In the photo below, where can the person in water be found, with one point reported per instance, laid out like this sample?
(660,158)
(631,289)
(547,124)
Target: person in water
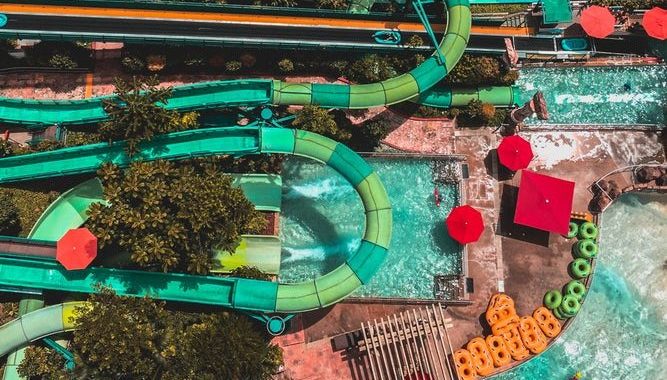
(577,376)
(627,87)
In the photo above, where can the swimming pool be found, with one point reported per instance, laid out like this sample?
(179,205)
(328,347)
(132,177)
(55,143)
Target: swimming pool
(322,221)
(600,95)
(621,332)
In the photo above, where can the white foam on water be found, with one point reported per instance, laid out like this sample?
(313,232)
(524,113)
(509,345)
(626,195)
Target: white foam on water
(320,251)
(314,190)
(609,98)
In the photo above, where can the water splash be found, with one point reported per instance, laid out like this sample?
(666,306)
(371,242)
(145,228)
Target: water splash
(320,252)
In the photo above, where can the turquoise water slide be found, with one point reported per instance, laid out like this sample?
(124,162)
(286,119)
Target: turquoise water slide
(245,294)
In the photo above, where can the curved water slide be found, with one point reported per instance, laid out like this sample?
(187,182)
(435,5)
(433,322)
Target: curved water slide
(256,92)
(239,293)
(36,325)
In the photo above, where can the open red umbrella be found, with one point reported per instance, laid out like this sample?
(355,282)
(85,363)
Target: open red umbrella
(464,224)
(76,249)
(544,202)
(515,153)
(655,23)
(597,21)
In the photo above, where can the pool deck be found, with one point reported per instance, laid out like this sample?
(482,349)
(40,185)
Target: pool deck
(524,264)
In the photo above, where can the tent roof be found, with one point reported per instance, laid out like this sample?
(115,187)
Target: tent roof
(544,202)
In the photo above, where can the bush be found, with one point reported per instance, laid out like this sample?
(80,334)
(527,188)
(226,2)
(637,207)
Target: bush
(415,41)
(133,64)
(285,65)
(5,148)
(61,61)
(332,4)
(480,70)
(369,69)
(233,66)
(250,272)
(320,121)
(30,205)
(10,222)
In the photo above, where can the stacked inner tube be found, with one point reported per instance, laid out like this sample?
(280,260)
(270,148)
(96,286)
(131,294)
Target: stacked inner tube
(566,303)
(513,338)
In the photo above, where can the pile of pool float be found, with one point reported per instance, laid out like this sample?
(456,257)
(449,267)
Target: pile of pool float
(513,338)
(566,304)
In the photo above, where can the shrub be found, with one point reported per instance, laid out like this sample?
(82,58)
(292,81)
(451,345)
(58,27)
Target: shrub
(30,205)
(321,121)
(332,4)
(61,61)
(285,65)
(369,69)
(133,64)
(5,148)
(233,66)
(250,272)
(10,222)
(414,41)
(156,62)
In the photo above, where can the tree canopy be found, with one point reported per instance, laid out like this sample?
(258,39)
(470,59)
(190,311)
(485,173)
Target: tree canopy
(137,113)
(169,216)
(138,338)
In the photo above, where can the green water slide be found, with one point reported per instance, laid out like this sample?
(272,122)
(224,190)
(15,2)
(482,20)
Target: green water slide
(260,251)
(445,97)
(245,294)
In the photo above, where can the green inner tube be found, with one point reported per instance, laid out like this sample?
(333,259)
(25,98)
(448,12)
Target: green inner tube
(557,314)
(570,306)
(588,230)
(580,268)
(586,249)
(573,230)
(552,299)
(575,288)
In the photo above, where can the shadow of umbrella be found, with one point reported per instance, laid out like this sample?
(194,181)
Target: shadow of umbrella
(500,173)
(507,227)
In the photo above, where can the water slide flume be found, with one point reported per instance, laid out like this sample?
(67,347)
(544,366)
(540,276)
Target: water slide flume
(245,294)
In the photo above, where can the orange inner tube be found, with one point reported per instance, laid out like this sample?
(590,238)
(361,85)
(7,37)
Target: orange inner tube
(481,357)
(531,335)
(504,324)
(548,323)
(464,366)
(514,344)
(499,353)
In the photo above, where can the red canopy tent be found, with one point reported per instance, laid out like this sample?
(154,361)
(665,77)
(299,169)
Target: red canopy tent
(76,249)
(597,21)
(655,23)
(464,224)
(544,202)
(515,153)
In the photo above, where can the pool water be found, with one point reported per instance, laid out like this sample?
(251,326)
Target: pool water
(600,95)
(322,222)
(621,332)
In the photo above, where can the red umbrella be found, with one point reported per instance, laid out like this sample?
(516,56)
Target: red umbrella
(464,224)
(76,249)
(655,23)
(544,202)
(597,21)
(515,153)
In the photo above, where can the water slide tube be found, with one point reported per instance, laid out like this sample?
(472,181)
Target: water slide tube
(259,91)
(239,293)
(36,325)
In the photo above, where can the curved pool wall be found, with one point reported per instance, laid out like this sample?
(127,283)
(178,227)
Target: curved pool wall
(621,330)
(322,219)
(599,95)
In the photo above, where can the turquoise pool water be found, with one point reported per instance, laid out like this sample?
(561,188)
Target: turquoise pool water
(322,221)
(621,332)
(599,95)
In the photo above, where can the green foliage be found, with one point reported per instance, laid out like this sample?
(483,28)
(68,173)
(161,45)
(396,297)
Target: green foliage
(137,338)
(81,138)
(319,120)
(276,3)
(497,8)
(332,4)
(61,61)
(43,363)
(233,66)
(415,41)
(135,113)
(286,65)
(5,148)
(480,70)
(264,164)
(250,272)
(169,216)
(367,136)
(10,222)
(133,64)
(30,205)
(481,114)
(371,68)
(8,312)
(47,145)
